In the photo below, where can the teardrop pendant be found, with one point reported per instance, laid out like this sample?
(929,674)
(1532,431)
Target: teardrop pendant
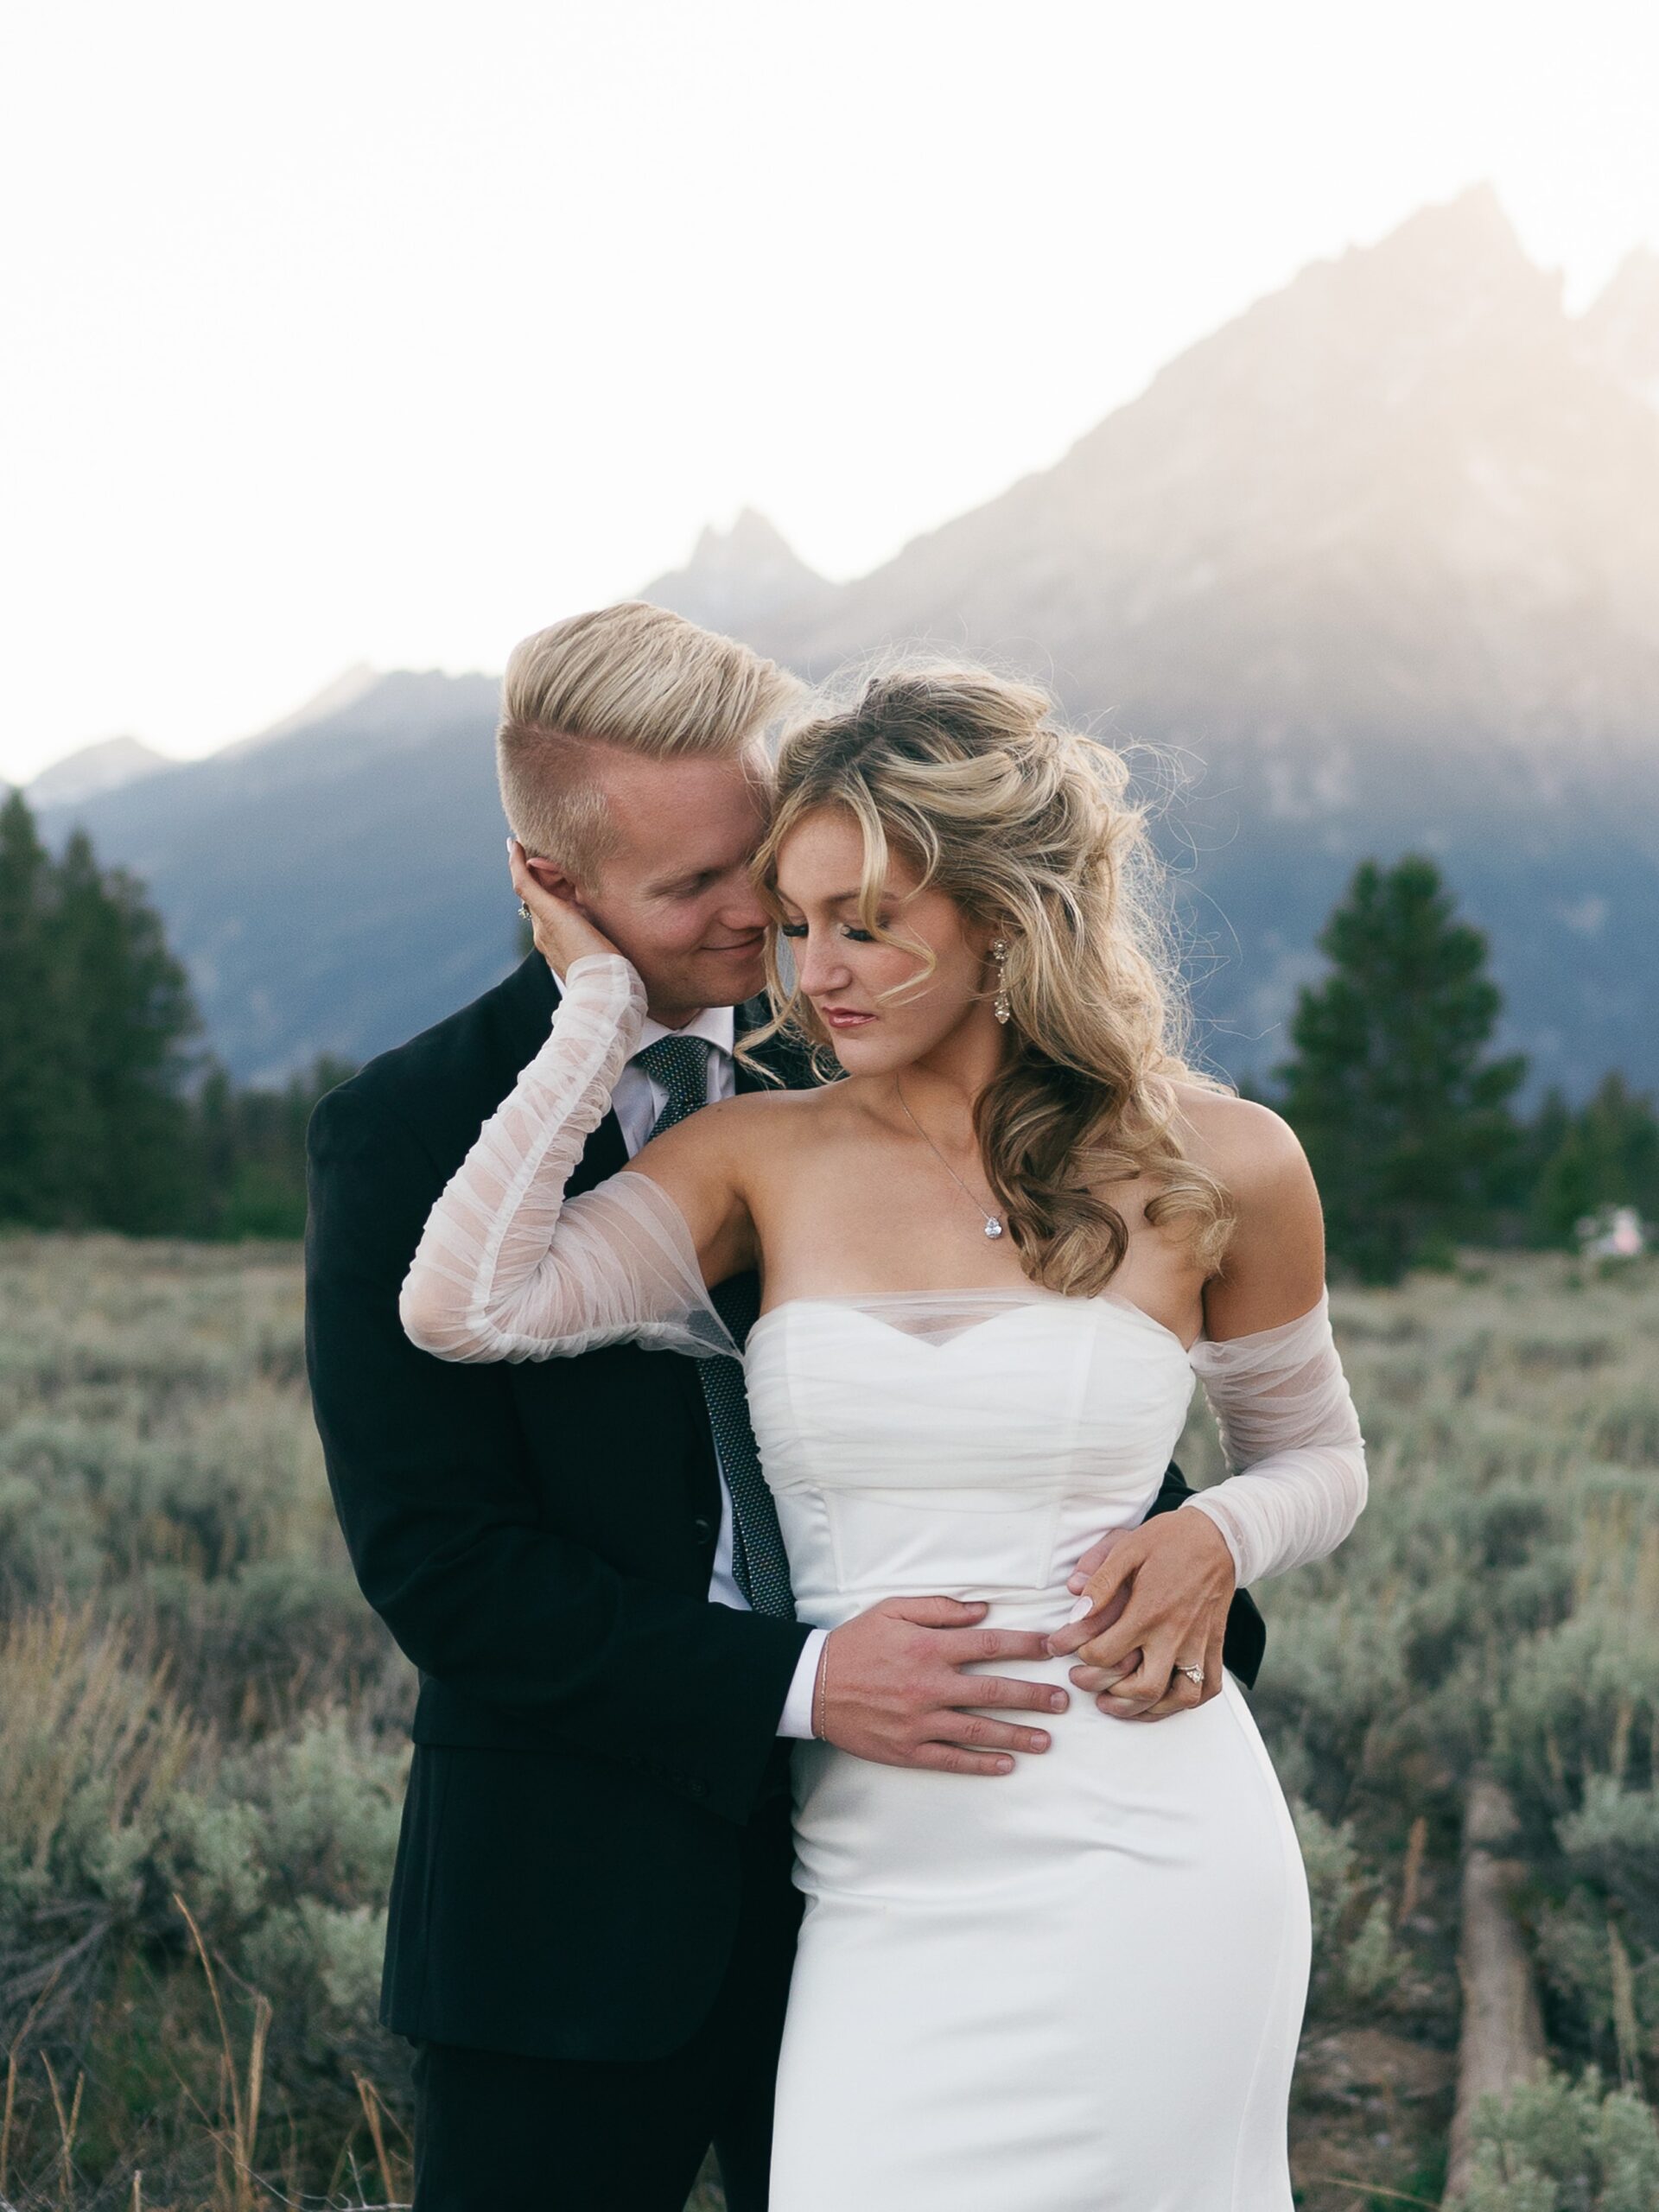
(993,1228)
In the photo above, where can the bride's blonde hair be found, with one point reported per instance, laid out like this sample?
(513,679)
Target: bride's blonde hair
(1025,824)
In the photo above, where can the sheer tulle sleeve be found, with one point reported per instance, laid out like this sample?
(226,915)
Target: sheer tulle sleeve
(506,1267)
(1293,1442)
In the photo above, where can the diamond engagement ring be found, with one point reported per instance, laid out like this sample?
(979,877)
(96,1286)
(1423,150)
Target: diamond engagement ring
(1197,1673)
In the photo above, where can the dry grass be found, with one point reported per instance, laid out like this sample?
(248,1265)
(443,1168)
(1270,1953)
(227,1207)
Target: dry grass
(202,1726)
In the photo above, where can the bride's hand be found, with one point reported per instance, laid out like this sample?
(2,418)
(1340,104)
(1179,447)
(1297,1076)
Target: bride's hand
(1158,1598)
(562,932)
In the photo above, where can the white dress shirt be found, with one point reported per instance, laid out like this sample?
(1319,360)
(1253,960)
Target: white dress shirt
(637,1101)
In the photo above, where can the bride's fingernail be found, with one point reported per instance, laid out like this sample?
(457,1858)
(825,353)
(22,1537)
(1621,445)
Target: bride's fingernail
(1059,1702)
(1081,1611)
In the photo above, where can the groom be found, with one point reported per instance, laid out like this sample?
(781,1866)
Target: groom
(592,1919)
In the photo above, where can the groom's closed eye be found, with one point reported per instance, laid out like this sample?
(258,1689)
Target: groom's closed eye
(687,886)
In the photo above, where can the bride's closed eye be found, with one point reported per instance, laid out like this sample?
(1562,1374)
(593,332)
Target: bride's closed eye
(799,929)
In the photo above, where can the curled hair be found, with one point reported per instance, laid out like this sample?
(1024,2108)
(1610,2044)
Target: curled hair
(1026,825)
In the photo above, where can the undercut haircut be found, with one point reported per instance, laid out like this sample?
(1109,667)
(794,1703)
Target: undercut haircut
(633,678)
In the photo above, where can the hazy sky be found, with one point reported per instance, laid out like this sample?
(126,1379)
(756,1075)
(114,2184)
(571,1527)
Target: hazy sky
(364,331)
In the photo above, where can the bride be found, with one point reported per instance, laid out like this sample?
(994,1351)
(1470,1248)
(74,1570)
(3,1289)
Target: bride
(995,1256)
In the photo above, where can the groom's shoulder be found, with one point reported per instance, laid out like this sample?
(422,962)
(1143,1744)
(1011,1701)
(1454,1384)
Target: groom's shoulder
(461,1065)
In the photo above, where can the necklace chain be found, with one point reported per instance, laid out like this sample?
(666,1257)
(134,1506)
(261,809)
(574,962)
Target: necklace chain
(993,1226)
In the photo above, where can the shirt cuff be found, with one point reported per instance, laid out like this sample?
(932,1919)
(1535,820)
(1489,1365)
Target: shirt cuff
(797,1717)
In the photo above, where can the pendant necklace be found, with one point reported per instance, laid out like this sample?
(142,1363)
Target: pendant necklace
(993,1226)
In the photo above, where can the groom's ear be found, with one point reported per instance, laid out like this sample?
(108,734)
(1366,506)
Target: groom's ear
(556,883)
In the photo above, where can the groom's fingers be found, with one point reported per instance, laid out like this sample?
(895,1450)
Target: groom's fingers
(950,1758)
(960,1647)
(934,1612)
(978,1731)
(1006,1690)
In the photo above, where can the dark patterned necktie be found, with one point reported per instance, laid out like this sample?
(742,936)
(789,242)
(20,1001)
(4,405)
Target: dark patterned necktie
(759,1567)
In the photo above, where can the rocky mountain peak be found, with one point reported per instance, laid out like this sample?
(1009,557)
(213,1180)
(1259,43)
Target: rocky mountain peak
(746,572)
(93,769)
(1620,327)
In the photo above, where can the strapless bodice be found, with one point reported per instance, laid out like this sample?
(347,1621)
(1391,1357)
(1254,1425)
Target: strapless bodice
(971,1444)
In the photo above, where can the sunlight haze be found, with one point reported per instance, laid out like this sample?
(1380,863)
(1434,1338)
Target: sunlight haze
(374,334)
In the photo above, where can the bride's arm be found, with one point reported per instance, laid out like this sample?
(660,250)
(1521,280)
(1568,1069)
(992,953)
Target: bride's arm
(1293,1443)
(1270,1369)
(507,1267)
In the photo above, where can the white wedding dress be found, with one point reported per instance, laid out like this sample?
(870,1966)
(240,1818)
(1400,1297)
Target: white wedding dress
(1077,1988)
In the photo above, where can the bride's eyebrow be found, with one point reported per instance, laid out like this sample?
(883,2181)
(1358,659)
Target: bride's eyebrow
(834,899)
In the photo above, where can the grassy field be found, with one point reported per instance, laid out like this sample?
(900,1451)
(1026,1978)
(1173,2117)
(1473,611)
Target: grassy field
(202,1753)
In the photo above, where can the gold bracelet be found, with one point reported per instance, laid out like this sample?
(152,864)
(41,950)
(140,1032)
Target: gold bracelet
(820,1693)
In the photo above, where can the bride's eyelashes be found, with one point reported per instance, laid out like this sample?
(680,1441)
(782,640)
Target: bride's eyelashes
(799,929)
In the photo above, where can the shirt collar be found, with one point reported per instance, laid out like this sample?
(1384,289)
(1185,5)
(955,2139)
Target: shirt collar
(717,1025)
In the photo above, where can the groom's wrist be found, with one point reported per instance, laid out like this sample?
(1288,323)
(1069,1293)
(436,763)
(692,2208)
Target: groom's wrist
(796,1719)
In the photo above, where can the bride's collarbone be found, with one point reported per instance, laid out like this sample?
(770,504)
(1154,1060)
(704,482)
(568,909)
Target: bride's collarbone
(863,1242)
(843,1210)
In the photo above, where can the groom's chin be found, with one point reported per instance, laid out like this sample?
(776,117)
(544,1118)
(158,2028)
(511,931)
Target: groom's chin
(730,978)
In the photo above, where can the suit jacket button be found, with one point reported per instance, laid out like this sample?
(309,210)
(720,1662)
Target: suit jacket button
(703,1529)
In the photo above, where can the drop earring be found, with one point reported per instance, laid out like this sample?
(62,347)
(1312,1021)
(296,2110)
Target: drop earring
(999,1005)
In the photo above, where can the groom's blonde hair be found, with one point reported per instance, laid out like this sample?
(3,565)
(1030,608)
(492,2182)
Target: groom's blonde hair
(633,678)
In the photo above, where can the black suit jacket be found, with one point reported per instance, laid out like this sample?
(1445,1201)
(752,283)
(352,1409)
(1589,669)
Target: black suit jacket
(592,1735)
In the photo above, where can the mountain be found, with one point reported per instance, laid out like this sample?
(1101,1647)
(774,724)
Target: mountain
(1372,567)
(106,767)
(745,573)
(1620,328)
(346,689)
(333,888)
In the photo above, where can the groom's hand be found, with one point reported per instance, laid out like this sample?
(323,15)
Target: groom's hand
(893,1688)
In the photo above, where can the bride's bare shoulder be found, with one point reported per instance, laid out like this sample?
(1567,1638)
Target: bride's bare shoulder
(1251,1149)
(757,1123)
(1275,1262)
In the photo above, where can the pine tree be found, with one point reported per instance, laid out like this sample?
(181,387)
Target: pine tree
(131,1013)
(1605,1155)
(1406,1125)
(93,1012)
(37,1108)
(252,1147)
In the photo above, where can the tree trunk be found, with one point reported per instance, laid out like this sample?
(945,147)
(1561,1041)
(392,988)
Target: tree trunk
(1502,2028)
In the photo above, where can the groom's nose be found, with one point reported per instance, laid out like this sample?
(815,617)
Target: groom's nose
(741,912)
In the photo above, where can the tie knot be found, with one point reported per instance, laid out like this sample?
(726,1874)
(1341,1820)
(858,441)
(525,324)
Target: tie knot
(680,1064)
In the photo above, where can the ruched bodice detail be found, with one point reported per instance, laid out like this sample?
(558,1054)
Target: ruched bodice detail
(970,1443)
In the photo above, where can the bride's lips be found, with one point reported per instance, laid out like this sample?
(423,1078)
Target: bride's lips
(844,1017)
